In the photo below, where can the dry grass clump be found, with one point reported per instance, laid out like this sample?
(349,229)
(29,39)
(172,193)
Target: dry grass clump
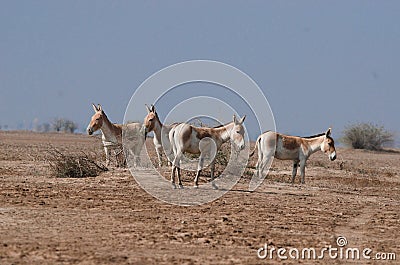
(73,166)
(367,136)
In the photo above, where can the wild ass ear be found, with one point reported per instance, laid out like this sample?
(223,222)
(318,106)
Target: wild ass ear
(99,107)
(328,132)
(242,119)
(153,109)
(148,109)
(94,107)
(234,119)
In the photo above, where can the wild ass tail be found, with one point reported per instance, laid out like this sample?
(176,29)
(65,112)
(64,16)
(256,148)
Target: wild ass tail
(256,146)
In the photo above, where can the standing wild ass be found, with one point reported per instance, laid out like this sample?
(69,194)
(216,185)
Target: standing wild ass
(161,139)
(112,136)
(187,138)
(286,147)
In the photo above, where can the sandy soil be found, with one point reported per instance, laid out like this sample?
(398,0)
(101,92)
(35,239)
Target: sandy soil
(109,219)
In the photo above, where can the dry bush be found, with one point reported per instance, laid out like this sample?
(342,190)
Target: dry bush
(223,154)
(73,166)
(367,136)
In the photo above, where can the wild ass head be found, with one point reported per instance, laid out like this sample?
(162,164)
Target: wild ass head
(328,145)
(150,119)
(97,119)
(236,134)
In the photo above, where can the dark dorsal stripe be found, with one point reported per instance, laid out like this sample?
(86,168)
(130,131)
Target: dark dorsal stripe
(221,125)
(314,136)
(158,118)
(104,114)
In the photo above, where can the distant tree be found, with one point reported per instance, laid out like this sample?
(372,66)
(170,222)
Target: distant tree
(65,125)
(69,126)
(44,127)
(57,124)
(367,136)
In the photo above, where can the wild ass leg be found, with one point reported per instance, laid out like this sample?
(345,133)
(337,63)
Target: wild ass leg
(132,157)
(212,169)
(175,166)
(108,154)
(178,165)
(259,163)
(173,176)
(179,178)
(137,150)
(159,151)
(136,160)
(115,155)
(265,161)
(294,172)
(124,162)
(124,159)
(302,171)
(169,163)
(119,157)
(169,154)
(199,167)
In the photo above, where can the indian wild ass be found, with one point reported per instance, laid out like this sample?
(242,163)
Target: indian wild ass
(187,138)
(161,139)
(112,136)
(286,147)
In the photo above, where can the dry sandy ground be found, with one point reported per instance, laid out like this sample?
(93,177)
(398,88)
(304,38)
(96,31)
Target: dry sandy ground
(109,219)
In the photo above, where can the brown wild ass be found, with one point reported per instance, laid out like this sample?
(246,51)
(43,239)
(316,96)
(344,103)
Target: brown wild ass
(161,139)
(112,136)
(187,138)
(286,147)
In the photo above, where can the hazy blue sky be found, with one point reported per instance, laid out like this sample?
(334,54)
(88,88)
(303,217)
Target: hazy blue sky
(319,63)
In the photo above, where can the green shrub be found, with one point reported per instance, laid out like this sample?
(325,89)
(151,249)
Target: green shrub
(367,136)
